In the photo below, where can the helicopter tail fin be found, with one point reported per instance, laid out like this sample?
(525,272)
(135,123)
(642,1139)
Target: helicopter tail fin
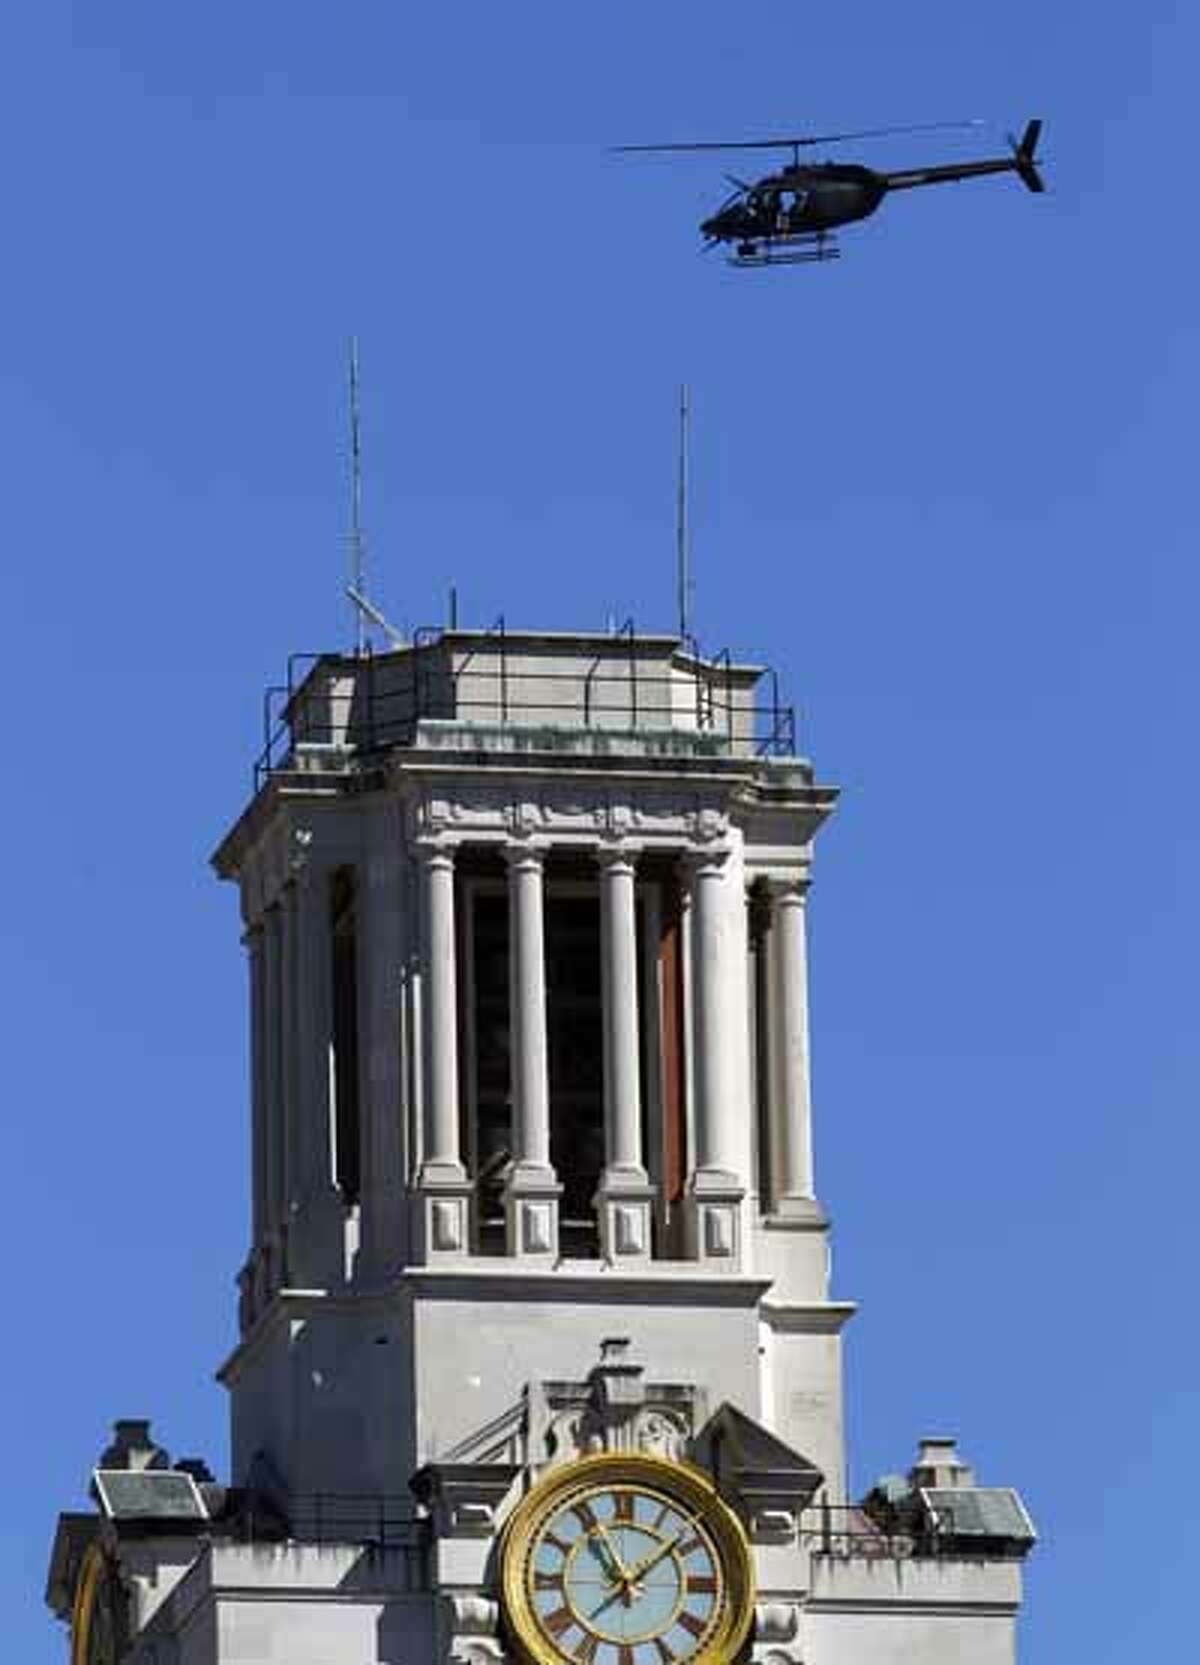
(1025,164)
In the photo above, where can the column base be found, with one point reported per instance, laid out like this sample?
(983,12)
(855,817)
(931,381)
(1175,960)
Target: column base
(713,1212)
(624,1201)
(443,1216)
(531,1213)
(797,1213)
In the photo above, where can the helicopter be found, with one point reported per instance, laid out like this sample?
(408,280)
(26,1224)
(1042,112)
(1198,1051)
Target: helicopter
(790,218)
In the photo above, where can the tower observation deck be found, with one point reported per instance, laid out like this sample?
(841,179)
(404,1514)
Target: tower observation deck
(658,692)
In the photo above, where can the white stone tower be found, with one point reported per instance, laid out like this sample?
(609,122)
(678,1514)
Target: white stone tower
(532,1195)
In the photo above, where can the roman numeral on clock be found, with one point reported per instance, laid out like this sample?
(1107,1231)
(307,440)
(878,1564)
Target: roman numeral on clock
(586,1517)
(689,1621)
(700,1584)
(547,1580)
(585,1653)
(623,1511)
(664,1652)
(561,1619)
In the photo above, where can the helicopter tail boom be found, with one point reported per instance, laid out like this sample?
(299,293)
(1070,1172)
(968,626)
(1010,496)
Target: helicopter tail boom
(1021,162)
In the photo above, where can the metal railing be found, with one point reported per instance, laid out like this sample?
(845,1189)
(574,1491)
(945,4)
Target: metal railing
(374,1518)
(847,1532)
(383,698)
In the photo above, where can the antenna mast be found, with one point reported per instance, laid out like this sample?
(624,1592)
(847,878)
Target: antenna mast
(358,552)
(682,550)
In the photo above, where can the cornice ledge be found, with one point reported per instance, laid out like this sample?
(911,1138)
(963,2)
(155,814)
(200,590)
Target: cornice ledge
(930,1609)
(808,1317)
(676,1280)
(285,1304)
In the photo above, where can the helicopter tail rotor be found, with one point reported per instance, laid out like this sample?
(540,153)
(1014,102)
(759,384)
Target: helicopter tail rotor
(1023,150)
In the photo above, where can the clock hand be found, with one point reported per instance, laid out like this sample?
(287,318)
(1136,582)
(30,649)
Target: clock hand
(601,1532)
(643,1566)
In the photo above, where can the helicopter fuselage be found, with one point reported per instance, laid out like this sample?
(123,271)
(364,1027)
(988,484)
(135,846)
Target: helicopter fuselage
(799,200)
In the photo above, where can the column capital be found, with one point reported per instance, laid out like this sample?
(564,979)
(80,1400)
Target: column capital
(616,855)
(787,887)
(437,851)
(704,860)
(525,854)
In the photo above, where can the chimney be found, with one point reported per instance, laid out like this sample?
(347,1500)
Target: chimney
(939,1465)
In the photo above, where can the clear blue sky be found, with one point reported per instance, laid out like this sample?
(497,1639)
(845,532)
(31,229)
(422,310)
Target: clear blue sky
(946,486)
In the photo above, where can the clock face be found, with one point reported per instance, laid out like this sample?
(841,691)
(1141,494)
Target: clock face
(627,1561)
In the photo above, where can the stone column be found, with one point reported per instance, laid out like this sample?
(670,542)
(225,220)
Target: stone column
(273,990)
(531,1190)
(317,1232)
(290,1067)
(251,1279)
(384,1221)
(625,1194)
(443,1180)
(716,1187)
(253,941)
(787,1016)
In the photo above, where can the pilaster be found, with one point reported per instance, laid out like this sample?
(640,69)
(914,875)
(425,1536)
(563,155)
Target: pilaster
(445,1190)
(625,1196)
(317,1214)
(716,1186)
(792,1197)
(532,1191)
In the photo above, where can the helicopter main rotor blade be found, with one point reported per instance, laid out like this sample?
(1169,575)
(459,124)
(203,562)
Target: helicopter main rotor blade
(808,139)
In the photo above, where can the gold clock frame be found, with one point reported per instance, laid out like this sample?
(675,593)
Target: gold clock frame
(688,1486)
(92,1575)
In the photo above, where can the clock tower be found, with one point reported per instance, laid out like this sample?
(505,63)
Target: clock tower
(538,1360)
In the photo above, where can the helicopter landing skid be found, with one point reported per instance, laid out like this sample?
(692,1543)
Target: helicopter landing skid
(787,251)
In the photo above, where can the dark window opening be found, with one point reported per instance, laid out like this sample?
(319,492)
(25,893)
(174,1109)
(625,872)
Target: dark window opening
(490,1089)
(347,1136)
(672,1156)
(574,1025)
(760,1038)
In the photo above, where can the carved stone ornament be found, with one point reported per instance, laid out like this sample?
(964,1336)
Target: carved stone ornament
(474,1615)
(613,1411)
(653,810)
(620,819)
(709,826)
(434,814)
(473,1622)
(776,1634)
(660,1434)
(476,1650)
(524,817)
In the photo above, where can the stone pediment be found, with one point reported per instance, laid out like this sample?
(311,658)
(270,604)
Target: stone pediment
(763,1478)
